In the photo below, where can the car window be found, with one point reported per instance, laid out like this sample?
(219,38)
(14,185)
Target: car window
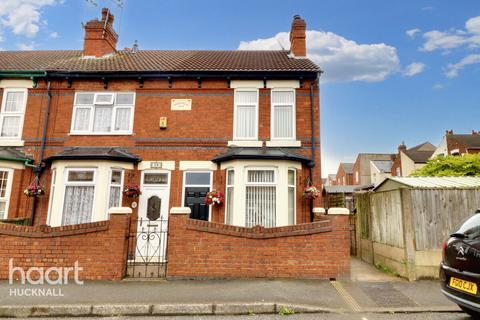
(471,227)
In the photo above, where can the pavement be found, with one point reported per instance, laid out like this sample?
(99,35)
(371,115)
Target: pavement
(368,290)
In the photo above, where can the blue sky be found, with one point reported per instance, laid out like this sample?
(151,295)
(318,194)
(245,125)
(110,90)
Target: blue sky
(394,70)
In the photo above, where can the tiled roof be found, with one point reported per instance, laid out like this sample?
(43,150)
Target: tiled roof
(84,153)
(421,153)
(156,60)
(348,167)
(385,166)
(469,140)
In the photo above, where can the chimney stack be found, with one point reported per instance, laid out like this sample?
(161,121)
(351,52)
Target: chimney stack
(298,43)
(402,147)
(100,37)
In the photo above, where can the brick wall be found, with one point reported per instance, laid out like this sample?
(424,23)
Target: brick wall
(99,247)
(200,249)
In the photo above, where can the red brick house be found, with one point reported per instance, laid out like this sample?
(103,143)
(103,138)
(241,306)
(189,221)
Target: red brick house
(344,176)
(86,123)
(458,144)
(408,160)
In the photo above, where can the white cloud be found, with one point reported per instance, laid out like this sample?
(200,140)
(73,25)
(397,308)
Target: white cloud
(412,32)
(26,46)
(340,58)
(413,69)
(438,86)
(451,71)
(427,8)
(451,39)
(54,35)
(22,16)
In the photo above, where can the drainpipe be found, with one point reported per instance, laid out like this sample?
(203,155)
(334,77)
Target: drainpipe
(311,165)
(39,168)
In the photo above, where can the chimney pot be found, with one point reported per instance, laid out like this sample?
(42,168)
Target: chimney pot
(402,147)
(298,44)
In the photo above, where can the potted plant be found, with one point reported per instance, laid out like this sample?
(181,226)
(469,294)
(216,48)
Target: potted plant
(311,192)
(132,190)
(35,189)
(214,197)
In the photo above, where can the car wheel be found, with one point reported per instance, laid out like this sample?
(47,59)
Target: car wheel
(473,314)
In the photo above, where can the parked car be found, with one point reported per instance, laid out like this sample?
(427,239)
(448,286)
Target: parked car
(460,267)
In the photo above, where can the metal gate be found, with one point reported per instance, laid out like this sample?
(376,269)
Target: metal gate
(147,249)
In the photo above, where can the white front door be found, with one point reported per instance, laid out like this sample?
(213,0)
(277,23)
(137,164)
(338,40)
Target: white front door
(152,225)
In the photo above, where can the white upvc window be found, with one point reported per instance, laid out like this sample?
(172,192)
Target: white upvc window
(283,114)
(52,192)
(12,113)
(78,196)
(292,199)
(6,177)
(103,113)
(245,125)
(260,198)
(115,188)
(229,196)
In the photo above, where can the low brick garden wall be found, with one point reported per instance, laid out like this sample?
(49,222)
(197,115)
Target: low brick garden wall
(99,247)
(201,249)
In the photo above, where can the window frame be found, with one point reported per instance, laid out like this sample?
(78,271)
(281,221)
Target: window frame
(110,185)
(8,190)
(67,183)
(92,106)
(272,115)
(21,113)
(235,116)
(274,184)
(53,182)
(232,186)
(294,187)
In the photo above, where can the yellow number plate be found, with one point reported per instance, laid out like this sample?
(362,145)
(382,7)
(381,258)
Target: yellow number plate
(463,285)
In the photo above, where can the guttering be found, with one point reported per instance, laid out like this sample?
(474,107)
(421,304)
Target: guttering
(186,74)
(21,74)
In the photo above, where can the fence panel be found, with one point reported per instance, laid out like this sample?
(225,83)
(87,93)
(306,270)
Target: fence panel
(437,212)
(387,226)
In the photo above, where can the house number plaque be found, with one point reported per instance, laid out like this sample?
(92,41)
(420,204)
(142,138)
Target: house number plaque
(181,104)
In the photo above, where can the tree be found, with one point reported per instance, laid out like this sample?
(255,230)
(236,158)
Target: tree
(451,166)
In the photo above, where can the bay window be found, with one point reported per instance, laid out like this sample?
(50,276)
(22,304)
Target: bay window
(79,194)
(103,113)
(260,198)
(283,114)
(246,114)
(12,112)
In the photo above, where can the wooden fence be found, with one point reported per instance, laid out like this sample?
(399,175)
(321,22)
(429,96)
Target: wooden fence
(403,229)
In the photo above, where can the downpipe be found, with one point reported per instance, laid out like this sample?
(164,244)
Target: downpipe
(37,170)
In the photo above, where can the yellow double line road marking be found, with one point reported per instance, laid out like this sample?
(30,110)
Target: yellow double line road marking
(349,300)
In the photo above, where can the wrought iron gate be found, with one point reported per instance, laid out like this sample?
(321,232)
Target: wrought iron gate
(147,249)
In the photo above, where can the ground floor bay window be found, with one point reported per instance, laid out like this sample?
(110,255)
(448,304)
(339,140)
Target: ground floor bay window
(83,191)
(260,193)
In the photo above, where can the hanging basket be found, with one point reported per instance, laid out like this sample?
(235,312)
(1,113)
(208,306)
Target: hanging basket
(311,192)
(132,191)
(34,190)
(214,197)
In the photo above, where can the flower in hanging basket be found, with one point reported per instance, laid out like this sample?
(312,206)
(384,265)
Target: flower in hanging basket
(34,190)
(132,190)
(311,192)
(214,197)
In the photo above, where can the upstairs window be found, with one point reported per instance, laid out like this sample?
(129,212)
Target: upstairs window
(246,114)
(12,111)
(283,114)
(103,113)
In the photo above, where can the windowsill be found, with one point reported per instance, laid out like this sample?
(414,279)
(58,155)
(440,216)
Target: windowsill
(245,143)
(11,143)
(284,143)
(100,134)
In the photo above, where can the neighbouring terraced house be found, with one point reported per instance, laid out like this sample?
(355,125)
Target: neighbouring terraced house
(86,124)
